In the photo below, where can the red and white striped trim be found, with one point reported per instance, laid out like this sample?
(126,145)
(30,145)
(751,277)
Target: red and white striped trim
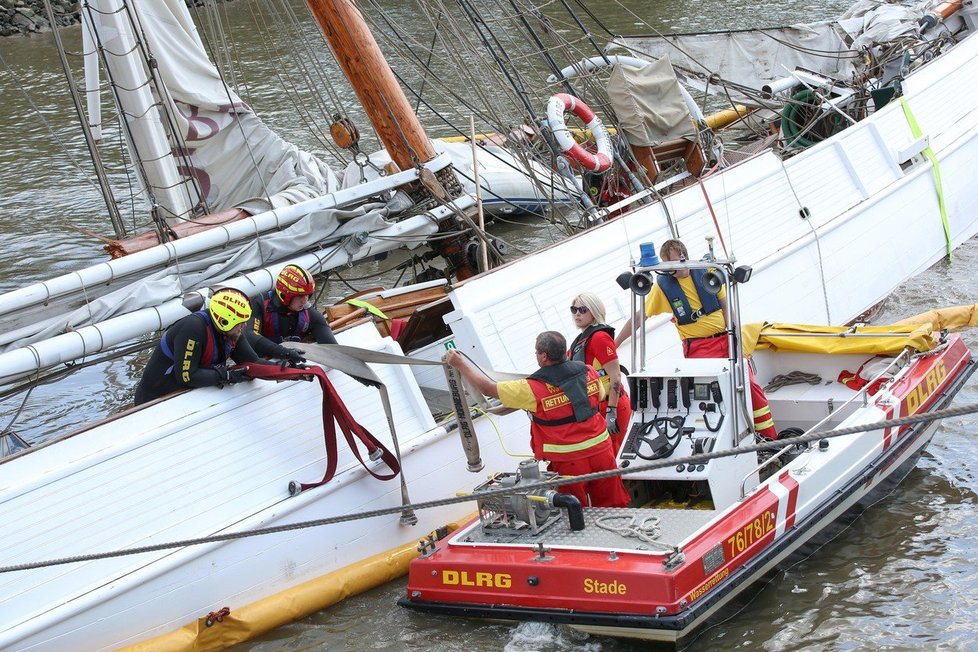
(786,489)
(562,102)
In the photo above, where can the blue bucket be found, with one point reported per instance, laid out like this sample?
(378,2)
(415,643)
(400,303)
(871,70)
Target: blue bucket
(649,257)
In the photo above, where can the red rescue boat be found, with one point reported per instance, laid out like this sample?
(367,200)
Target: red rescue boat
(698,534)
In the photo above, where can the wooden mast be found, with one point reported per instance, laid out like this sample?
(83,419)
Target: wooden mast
(392,117)
(373,81)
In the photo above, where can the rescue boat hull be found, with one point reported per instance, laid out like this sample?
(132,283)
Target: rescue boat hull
(618,602)
(672,629)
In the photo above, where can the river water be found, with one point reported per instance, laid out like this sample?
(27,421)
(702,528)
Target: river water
(901,577)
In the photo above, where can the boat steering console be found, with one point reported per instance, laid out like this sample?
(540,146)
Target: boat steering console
(658,438)
(687,406)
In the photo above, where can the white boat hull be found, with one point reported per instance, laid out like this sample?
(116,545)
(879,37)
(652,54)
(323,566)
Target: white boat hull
(185,468)
(829,233)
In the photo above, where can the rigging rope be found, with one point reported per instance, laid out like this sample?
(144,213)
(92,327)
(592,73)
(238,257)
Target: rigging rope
(792,378)
(524,488)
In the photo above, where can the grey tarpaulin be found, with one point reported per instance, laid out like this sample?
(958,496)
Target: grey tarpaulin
(649,103)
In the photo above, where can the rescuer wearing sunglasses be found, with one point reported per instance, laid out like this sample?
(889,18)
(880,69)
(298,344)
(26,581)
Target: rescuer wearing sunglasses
(595,346)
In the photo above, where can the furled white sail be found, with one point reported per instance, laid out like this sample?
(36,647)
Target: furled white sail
(236,160)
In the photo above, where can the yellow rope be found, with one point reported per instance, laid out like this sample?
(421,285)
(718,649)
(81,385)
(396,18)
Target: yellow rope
(929,153)
(499,435)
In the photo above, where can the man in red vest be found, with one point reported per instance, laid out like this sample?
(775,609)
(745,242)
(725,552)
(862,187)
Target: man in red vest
(567,429)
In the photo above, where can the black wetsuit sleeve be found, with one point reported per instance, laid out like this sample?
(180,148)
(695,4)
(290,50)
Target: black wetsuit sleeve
(319,328)
(260,345)
(189,341)
(257,315)
(243,351)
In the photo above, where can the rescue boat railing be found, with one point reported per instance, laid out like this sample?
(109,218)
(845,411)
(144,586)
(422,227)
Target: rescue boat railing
(862,393)
(640,283)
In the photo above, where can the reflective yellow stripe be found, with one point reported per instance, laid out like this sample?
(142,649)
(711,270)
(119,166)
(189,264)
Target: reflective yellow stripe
(763,419)
(579,446)
(369,307)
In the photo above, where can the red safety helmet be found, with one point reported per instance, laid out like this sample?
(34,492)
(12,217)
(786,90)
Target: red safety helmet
(292,282)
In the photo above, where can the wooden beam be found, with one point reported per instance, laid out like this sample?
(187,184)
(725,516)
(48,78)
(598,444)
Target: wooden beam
(373,81)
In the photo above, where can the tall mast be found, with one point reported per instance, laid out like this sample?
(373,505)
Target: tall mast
(371,77)
(391,115)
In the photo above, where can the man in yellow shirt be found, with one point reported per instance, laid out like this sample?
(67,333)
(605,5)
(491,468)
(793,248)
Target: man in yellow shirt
(567,429)
(700,318)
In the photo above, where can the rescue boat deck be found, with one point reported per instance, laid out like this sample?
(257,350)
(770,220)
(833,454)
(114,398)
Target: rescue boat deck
(635,529)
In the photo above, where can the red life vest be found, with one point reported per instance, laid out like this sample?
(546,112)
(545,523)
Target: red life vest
(209,357)
(555,430)
(270,322)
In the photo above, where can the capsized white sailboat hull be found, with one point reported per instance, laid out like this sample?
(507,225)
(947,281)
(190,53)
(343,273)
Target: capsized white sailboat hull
(829,233)
(204,463)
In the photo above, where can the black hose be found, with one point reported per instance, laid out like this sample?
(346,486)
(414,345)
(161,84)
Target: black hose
(575,514)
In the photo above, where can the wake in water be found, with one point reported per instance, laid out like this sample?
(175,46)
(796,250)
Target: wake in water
(545,637)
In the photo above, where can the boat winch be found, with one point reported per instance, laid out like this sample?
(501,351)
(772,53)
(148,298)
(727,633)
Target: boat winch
(514,513)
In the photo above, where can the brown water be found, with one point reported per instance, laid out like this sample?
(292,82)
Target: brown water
(901,577)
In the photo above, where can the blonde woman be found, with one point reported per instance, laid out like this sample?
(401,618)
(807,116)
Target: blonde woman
(595,346)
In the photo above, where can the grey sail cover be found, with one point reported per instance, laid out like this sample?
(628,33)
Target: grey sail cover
(648,102)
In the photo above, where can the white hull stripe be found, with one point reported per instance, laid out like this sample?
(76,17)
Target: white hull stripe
(781,492)
(786,489)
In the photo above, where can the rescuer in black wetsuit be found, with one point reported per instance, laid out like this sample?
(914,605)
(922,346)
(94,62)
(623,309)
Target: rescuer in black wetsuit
(195,351)
(285,314)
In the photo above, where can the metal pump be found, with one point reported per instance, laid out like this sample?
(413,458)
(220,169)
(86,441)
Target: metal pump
(515,512)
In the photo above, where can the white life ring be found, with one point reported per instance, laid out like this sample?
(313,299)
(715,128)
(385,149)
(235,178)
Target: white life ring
(556,106)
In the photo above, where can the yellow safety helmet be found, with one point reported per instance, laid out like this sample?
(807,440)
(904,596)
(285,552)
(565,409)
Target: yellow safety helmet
(228,308)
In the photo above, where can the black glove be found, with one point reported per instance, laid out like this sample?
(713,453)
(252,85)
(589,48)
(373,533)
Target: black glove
(292,338)
(612,422)
(366,382)
(293,356)
(231,376)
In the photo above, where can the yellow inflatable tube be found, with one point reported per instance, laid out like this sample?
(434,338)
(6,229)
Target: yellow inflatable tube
(255,619)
